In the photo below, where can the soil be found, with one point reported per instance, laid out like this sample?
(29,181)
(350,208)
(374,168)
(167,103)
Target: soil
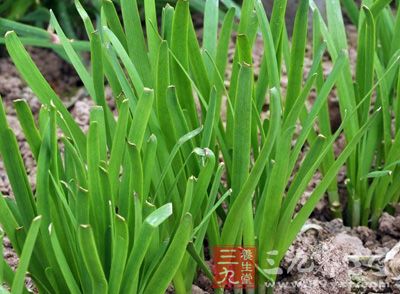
(328,257)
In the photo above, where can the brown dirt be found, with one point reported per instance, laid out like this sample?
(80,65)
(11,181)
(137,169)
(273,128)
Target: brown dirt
(328,257)
(339,259)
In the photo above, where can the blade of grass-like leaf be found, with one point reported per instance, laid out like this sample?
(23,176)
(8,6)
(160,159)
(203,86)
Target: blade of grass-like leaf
(211,120)
(63,263)
(187,199)
(206,218)
(40,87)
(270,54)
(291,118)
(171,261)
(141,118)
(337,41)
(377,174)
(35,42)
(153,41)
(78,163)
(325,127)
(28,125)
(124,197)
(242,143)
(136,181)
(383,91)
(97,203)
(8,221)
(241,140)
(197,64)
(120,253)
(149,163)
(98,84)
(23,29)
(162,83)
(141,246)
(111,76)
(365,61)
(204,178)
(73,56)
(233,221)
(85,17)
(129,65)
(166,23)
(42,195)
(278,20)
(213,229)
(397,105)
(396,35)
(17,176)
(210,31)
(63,201)
(221,58)
(247,8)
(82,214)
(135,39)
(114,23)
(19,279)
(97,115)
(299,42)
(272,202)
(118,147)
(200,262)
(381,202)
(127,90)
(180,123)
(91,258)
(179,46)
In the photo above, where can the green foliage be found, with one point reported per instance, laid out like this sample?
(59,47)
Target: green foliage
(37,13)
(121,211)
(371,169)
(98,202)
(93,234)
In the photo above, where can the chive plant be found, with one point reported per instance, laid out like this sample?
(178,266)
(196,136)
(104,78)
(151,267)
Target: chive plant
(170,85)
(372,169)
(87,226)
(115,211)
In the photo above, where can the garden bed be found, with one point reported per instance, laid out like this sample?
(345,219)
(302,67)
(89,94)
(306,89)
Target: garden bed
(326,257)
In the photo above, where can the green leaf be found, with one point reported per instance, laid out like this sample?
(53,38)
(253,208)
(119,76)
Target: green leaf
(91,258)
(172,259)
(19,279)
(141,118)
(377,174)
(120,253)
(141,246)
(135,40)
(41,88)
(63,263)
(28,125)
